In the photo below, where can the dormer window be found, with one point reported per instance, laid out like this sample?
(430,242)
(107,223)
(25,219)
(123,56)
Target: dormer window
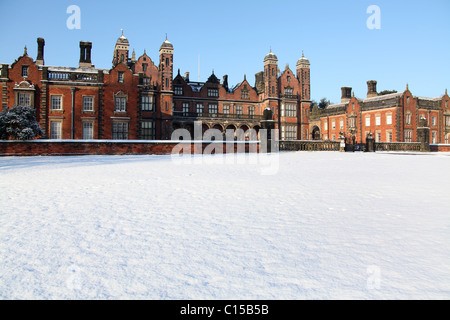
(178,90)
(213,92)
(24,71)
(288,91)
(245,94)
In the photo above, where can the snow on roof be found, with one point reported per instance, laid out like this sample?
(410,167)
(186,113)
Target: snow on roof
(72,69)
(383,97)
(430,99)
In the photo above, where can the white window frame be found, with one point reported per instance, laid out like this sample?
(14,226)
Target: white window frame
(147,103)
(408,118)
(200,108)
(378,120)
(146,126)
(367,121)
(389,119)
(55,132)
(213,108)
(88,106)
(56,102)
(25,97)
(120,130)
(120,104)
(88,130)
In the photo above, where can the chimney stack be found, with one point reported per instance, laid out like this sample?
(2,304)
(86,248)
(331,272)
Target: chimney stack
(225,82)
(346,94)
(40,55)
(85,54)
(186,76)
(372,89)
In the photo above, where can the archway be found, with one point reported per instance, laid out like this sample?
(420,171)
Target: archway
(315,133)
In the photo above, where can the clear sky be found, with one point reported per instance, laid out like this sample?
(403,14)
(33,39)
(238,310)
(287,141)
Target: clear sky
(232,37)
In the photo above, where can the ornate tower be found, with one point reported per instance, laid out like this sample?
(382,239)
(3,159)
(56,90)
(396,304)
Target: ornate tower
(271,75)
(304,77)
(166,74)
(121,50)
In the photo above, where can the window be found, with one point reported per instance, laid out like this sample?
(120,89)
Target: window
(389,136)
(24,71)
(325,137)
(290,110)
(289,132)
(24,99)
(408,118)
(447,138)
(333,137)
(212,108)
(353,106)
(147,130)
(167,62)
(144,67)
(352,122)
(433,120)
(245,94)
(407,100)
(288,80)
(447,121)
(434,137)
(120,76)
(200,109)
(120,130)
(408,136)
(239,110)
(333,124)
(147,103)
(273,89)
(56,103)
(226,109)
(167,83)
(325,126)
(378,136)
(88,130)
(121,104)
(251,111)
(446,104)
(185,107)
(341,124)
(178,90)
(55,130)
(288,91)
(88,103)
(368,121)
(378,120)
(389,119)
(213,92)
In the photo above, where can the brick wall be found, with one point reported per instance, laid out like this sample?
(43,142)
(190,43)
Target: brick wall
(440,147)
(109,147)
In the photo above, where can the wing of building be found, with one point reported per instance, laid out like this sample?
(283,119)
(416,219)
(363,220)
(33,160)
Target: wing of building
(392,117)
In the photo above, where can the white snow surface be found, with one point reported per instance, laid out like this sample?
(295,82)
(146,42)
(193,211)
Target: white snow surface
(326,225)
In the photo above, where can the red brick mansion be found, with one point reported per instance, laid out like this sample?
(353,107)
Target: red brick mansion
(138,99)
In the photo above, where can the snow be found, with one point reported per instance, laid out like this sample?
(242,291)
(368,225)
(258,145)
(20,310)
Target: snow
(324,225)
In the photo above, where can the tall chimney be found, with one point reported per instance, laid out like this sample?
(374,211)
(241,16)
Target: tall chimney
(372,89)
(85,54)
(225,82)
(346,94)
(186,76)
(40,55)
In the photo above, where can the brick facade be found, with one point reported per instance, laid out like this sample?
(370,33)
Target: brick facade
(392,117)
(138,99)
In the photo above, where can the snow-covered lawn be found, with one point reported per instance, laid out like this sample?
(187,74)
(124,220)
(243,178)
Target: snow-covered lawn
(325,225)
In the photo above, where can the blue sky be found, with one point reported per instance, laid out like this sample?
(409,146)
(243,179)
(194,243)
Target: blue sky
(233,37)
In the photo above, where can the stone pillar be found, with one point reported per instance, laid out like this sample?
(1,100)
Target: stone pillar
(342,138)
(267,124)
(423,135)
(370,143)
